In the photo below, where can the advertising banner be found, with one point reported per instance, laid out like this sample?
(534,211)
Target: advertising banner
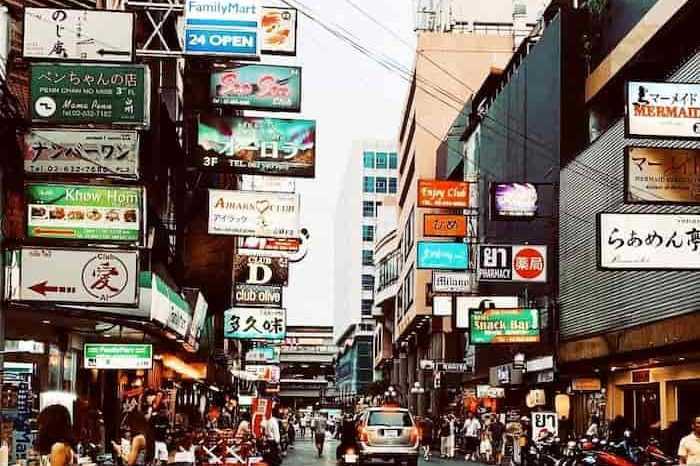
(279,31)
(511,263)
(258,87)
(89,35)
(649,241)
(257,146)
(264,373)
(514,200)
(443,194)
(663,109)
(245,213)
(76,93)
(437,255)
(657,175)
(452,282)
(465,303)
(93,276)
(451,226)
(264,354)
(257,296)
(271,244)
(118,356)
(83,212)
(498,325)
(244,323)
(81,152)
(260,270)
(222,27)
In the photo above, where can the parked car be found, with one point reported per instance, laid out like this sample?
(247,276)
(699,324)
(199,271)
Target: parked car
(388,434)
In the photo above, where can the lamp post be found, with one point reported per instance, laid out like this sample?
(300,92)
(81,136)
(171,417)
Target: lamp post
(418,390)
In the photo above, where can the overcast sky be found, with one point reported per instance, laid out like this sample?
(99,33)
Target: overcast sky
(352,98)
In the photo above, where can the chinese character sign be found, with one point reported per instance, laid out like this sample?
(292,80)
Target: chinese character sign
(649,241)
(663,109)
(658,175)
(255,323)
(262,87)
(512,263)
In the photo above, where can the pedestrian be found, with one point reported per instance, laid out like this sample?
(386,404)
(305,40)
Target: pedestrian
(319,428)
(426,436)
(471,430)
(291,431)
(593,428)
(243,430)
(451,440)
(55,439)
(689,448)
(444,437)
(486,447)
(143,446)
(497,430)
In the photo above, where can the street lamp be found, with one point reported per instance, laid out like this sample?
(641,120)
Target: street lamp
(418,391)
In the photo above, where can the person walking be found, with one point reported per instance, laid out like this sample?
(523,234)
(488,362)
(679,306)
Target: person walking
(55,439)
(444,437)
(497,430)
(426,437)
(451,439)
(471,430)
(593,428)
(319,427)
(689,448)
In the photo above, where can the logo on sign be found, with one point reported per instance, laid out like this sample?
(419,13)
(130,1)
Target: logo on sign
(105,276)
(495,262)
(528,263)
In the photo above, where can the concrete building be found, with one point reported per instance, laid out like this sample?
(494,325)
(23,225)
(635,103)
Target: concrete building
(354,372)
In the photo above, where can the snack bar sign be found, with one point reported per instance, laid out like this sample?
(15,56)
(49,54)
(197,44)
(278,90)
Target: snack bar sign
(255,323)
(261,87)
(512,263)
(118,356)
(222,27)
(515,325)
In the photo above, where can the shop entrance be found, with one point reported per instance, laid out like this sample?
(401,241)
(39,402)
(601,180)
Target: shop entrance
(643,410)
(688,403)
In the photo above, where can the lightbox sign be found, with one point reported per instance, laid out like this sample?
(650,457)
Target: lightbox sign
(512,263)
(443,194)
(452,282)
(663,109)
(649,241)
(244,213)
(264,373)
(257,296)
(279,31)
(658,175)
(499,325)
(465,303)
(260,270)
(445,225)
(222,27)
(257,146)
(255,323)
(441,255)
(258,87)
(118,356)
(514,200)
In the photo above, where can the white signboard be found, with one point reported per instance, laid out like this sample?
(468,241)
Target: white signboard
(200,315)
(452,282)
(77,276)
(442,306)
(87,35)
(243,213)
(168,307)
(464,303)
(279,31)
(222,27)
(663,109)
(247,323)
(274,184)
(649,241)
(544,423)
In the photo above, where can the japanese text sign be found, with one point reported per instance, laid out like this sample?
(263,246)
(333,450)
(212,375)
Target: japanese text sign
(264,373)
(660,175)
(81,152)
(440,255)
(663,109)
(649,241)
(498,325)
(118,356)
(514,200)
(244,213)
(77,276)
(168,307)
(451,226)
(257,146)
(510,263)
(222,27)
(443,194)
(262,87)
(257,296)
(90,35)
(260,270)
(84,212)
(109,94)
(255,323)
(279,31)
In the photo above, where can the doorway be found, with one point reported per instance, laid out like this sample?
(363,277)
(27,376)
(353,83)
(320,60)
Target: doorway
(688,403)
(643,410)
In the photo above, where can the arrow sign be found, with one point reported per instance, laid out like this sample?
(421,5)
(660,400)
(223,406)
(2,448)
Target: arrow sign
(122,53)
(42,288)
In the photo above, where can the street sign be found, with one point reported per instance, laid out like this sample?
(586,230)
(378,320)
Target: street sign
(118,356)
(454,367)
(258,87)
(221,27)
(255,323)
(85,35)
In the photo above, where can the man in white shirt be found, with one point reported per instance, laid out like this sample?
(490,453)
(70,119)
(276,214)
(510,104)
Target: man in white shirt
(471,430)
(689,448)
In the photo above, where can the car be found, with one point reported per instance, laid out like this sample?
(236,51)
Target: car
(387,434)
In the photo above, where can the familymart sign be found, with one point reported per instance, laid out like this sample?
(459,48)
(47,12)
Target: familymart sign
(118,356)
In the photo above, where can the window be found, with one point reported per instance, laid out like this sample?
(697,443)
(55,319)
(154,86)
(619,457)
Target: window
(381,184)
(368,159)
(369,184)
(393,162)
(381,160)
(393,185)
(408,231)
(367,233)
(367,282)
(367,257)
(390,419)
(367,209)
(408,289)
(367,307)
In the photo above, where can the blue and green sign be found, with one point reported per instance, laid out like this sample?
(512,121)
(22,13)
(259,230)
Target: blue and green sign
(442,255)
(262,87)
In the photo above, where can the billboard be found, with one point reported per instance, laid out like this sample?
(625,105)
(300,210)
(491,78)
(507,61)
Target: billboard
(649,241)
(255,323)
(221,27)
(443,194)
(440,255)
(258,87)
(94,276)
(445,225)
(514,200)
(257,146)
(662,109)
(512,263)
(257,296)
(504,325)
(279,31)
(452,282)
(86,35)
(77,93)
(118,356)
(245,213)
(83,212)
(657,175)
(260,270)
(81,152)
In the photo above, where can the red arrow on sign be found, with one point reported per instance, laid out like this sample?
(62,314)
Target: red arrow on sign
(43,288)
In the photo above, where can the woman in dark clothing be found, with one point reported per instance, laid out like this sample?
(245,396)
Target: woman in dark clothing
(55,438)
(143,445)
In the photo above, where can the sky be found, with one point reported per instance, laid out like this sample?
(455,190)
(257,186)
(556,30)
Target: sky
(351,97)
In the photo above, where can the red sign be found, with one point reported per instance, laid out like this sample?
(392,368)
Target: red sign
(262,409)
(272,244)
(443,194)
(528,264)
(454,226)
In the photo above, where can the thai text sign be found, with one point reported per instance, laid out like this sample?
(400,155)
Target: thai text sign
(522,263)
(279,31)
(263,87)
(649,241)
(255,323)
(257,146)
(118,356)
(77,276)
(64,34)
(81,152)
(84,212)
(662,175)
(544,424)
(452,282)
(454,226)
(437,255)
(260,270)
(513,200)
(257,295)
(443,194)
(222,27)
(109,94)
(244,213)
(663,109)
(513,325)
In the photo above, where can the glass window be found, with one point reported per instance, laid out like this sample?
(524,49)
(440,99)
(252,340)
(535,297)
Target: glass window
(367,209)
(393,185)
(369,184)
(367,307)
(381,160)
(367,257)
(393,160)
(368,158)
(381,184)
(367,233)
(389,419)
(367,282)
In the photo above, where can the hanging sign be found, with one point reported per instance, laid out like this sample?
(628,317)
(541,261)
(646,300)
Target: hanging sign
(118,356)
(168,307)
(505,263)
(441,255)
(258,87)
(81,152)
(443,194)
(222,27)
(659,175)
(257,296)
(514,200)
(199,316)
(260,270)
(663,109)
(87,35)
(544,424)
(255,323)
(279,31)
(515,325)
(244,213)
(450,226)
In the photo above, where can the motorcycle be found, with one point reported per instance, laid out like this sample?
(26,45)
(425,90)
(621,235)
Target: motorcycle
(652,455)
